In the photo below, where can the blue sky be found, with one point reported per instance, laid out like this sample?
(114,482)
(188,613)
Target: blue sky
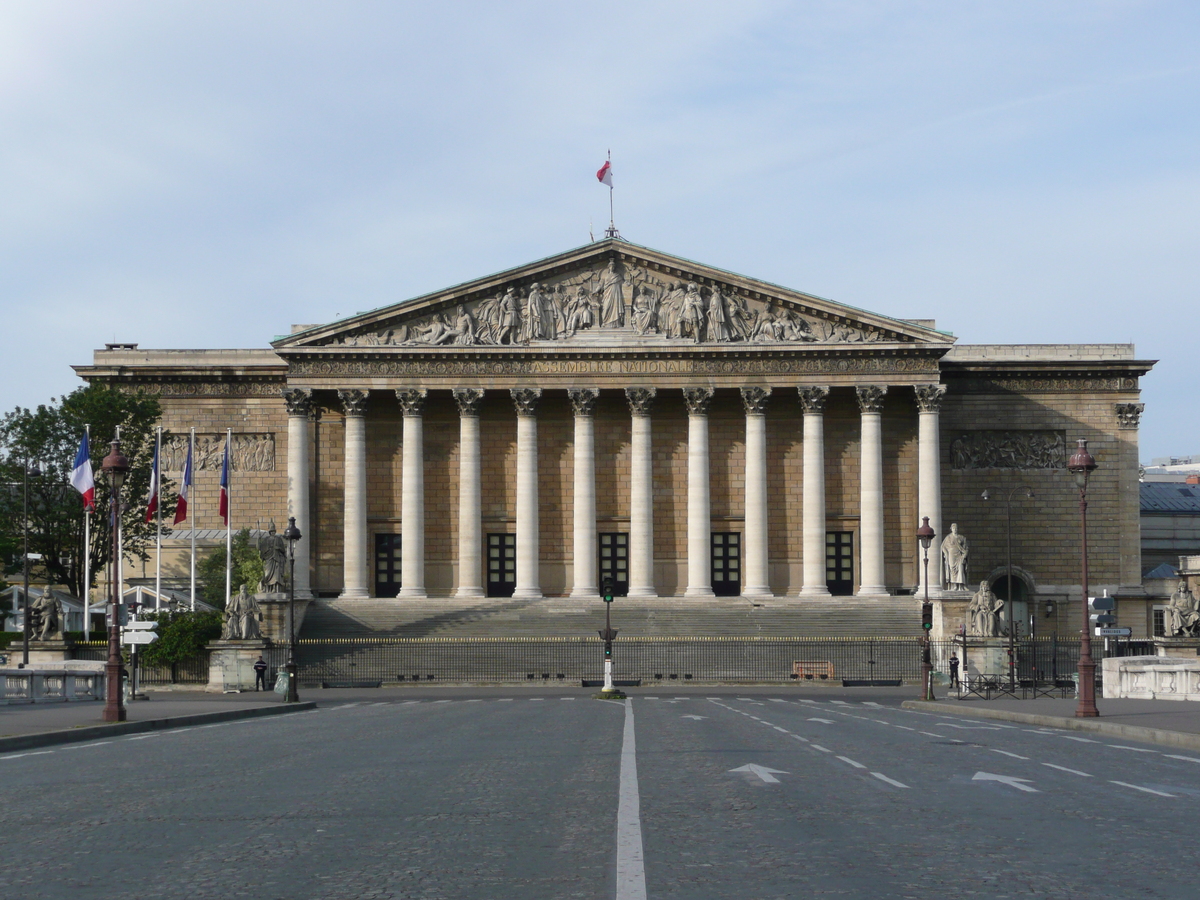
(206,174)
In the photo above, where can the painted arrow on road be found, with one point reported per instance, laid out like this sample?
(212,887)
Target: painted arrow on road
(767,775)
(826,721)
(697,718)
(1021,784)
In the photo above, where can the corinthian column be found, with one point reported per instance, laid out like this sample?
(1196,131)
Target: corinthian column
(583,402)
(870,532)
(528,559)
(699,526)
(929,475)
(470,523)
(812,399)
(299,407)
(412,495)
(754,554)
(641,495)
(354,508)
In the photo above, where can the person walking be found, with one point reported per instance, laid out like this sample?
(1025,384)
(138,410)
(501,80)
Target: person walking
(260,674)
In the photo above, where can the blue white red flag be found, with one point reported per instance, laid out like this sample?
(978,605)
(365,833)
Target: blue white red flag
(152,496)
(81,474)
(184,486)
(224,504)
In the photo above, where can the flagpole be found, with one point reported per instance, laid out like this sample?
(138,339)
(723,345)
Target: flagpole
(87,552)
(228,520)
(158,520)
(120,556)
(192,565)
(612,226)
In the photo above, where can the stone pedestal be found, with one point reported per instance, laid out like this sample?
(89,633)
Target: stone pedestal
(274,622)
(231,665)
(42,652)
(949,614)
(1181,647)
(986,656)
(1152,677)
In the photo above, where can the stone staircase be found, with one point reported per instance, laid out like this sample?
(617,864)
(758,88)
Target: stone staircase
(560,617)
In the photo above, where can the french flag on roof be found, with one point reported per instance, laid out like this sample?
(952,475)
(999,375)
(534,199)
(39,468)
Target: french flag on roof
(81,474)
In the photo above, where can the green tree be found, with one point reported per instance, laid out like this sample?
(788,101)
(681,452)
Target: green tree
(247,569)
(50,436)
(181,636)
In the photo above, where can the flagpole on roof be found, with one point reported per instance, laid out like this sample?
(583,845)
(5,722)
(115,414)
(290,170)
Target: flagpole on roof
(612,228)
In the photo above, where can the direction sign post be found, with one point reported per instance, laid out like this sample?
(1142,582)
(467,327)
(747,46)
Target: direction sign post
(139,637)
(1114,632)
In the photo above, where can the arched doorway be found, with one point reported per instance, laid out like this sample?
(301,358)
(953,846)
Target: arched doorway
(1022,605)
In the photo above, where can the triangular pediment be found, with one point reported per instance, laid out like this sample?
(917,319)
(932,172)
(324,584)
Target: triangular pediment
(612,293)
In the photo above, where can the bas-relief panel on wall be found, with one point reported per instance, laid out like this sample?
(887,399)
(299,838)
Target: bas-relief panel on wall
(1008,450)
(249,453)
(624,300)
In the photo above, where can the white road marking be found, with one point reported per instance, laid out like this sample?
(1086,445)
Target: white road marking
(501,700)
(852,762)
(1006,753)
(1081,740)
(94,744)
(1021,784)
(30,753)
(905,727)
(536,699)
(435,701)
(777,728)
(775,700)
(1065,769)
(797,737)
(386,702)
(712,698)
(140,737)
(1038,731)
(822,749)
(409,702)
(839,702)
(1146,789)
(1184,758)
(871,703)
(969,727)
(1134,749)
(566,698)
(478,701)
(767,775)
(890,781)
(830,722)
(808,701)
(697,718)
(930,734)
(683,698)
(631,867)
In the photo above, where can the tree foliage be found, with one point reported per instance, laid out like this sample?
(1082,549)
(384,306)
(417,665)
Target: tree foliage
(247,570)
(181,636)
(50,436)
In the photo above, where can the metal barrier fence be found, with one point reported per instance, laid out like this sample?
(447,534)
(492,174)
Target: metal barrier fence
(657,660)
(188,671)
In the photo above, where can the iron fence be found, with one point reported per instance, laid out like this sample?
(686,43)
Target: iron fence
(188,671)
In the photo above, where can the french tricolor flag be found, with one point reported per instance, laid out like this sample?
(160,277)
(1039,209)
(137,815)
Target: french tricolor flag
(185,484)
(604,176)
(152,496)
(81,474)
(224,503)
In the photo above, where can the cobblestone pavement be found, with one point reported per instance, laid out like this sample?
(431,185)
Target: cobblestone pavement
(520,794)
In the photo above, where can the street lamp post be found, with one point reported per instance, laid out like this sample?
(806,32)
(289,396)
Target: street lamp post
(34,471)
(926,534)
(116,467)
(1082,465)
(291,534)
(1012,621)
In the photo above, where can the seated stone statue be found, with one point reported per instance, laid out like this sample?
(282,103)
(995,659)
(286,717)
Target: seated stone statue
(983,612)
(1181,618)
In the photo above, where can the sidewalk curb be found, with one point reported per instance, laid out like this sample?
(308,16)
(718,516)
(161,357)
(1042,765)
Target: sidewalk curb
(93,732)
(1180,739)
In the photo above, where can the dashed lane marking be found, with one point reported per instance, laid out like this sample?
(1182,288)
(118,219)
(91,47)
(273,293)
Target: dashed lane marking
(30,753)
(1138,787)
(1184,758)
(1134,749)
(892,781)
(1006,753)
(1081,740)
(931,734)
(822,749)
(777,728)
(1065,769)
(852,762)
(85,746)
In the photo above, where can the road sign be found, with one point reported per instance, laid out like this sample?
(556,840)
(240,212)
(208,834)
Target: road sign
(139,637)
(141,626)
(1114,632)
(1103,604)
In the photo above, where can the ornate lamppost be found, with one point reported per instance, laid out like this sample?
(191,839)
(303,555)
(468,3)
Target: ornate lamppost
(1082,465)
(115,467)
(1012,621)
(926,534)
(291,534)
(31,471)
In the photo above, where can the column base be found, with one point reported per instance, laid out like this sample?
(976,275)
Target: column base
(821,591)
(757,593)
(585,593)
(412,594)
(699,592)
(528,594)
(354,594)
(470,593)
(641,594)
(872,590)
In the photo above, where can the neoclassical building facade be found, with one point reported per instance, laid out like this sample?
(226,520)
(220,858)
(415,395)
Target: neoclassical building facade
(614,411)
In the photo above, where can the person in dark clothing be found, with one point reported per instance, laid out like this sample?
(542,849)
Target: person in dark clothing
(260,674)
(953,670)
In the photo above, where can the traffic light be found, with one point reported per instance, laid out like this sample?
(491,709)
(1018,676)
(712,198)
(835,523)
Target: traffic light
(606,589)
(608,649)
(927,616)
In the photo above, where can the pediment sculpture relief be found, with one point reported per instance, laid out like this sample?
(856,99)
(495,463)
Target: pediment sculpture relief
(621,300)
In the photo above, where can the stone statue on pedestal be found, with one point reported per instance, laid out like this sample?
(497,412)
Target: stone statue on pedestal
(273,551)
(955,550)
(242,617)
(984,612)
(45,618)
(1181,618)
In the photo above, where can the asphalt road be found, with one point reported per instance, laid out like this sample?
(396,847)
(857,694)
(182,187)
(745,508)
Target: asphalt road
(697,794)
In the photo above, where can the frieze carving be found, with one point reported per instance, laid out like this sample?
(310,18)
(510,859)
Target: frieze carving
(207,388)
(1037,385)
(1008,450)
(1129,415)
(871,397)
(455,367)
(526,400)
(299,401)
(616,297)
(354,403)
(412,400)
(469,400)
(929,397)
(812,399)
(254,452)
(697,400)
(755,400)
(583,400)
(641,400)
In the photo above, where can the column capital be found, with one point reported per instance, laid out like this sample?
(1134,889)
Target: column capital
(813,398)
(299,401)
(1129,415)
(697,400)
(755,400)
(412,400)
(526,400)
(929,397)
(583,400)
(870,397)
(641,400)
(354,403)
(469,400)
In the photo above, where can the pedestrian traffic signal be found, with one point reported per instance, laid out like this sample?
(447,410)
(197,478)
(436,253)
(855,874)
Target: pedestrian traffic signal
(927,616)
